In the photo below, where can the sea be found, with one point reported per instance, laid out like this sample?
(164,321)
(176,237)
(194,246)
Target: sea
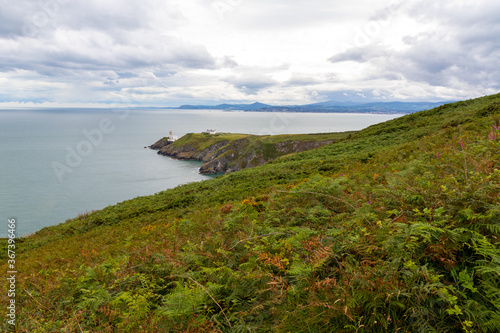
(58,163)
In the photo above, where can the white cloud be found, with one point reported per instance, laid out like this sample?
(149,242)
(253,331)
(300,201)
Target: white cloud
(443,54)
(159,52)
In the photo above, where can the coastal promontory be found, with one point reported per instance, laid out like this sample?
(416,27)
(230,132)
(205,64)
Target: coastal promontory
(228,152)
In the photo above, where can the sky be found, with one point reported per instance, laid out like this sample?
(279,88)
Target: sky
(95,53)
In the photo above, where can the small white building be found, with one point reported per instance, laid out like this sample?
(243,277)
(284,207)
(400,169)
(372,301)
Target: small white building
(172,137)
(210,131)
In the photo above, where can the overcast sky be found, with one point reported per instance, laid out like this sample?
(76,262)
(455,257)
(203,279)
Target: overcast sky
(173,52)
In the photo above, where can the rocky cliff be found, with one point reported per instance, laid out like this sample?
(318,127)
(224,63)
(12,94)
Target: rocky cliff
(231,152)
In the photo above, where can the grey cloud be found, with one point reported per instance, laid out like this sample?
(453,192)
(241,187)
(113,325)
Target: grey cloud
(389,76)
(387,13)
(452,55)
(104,15)
(228,62)
(353,54)
(126,75)
(302,80)
(54,58)
(160,72)
(461,14)
(31,18)
(192,56)
(251,84)
(456,54)
(10,25)
(18,18)
(361,54)
(111,83)
(145,91)
(66,38)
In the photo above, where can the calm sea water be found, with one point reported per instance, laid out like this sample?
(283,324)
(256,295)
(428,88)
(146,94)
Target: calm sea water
(56,164)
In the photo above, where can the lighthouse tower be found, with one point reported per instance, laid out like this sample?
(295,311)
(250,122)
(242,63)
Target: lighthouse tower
(171,136)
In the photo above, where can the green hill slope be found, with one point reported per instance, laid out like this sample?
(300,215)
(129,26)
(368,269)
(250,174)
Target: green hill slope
(393,228)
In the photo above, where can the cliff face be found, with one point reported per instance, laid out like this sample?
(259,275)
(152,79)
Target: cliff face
(226,153)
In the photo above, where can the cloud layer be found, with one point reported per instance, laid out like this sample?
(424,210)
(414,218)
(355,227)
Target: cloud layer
(156,52)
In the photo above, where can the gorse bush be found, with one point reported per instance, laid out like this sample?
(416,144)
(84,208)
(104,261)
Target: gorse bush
(394,228)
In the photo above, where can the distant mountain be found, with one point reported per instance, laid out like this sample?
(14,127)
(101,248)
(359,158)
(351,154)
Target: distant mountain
(332,103)
(352,107)
(243,107)
(407,106)
(327,106)
(375,107)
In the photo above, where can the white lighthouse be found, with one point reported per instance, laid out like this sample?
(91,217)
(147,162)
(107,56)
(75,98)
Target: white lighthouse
(171,136)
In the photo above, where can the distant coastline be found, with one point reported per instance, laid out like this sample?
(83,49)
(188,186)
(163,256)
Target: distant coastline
(324,107)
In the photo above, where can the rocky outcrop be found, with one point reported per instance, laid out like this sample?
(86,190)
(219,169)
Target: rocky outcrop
(160,144)
(233,155)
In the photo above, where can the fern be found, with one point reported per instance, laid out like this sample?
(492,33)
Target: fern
(494,229)
(495,270)
(493,323)
(93,299)
(184,300)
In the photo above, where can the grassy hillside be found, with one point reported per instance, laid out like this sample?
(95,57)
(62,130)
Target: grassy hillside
(204,140)
(200,141)
(393,228)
